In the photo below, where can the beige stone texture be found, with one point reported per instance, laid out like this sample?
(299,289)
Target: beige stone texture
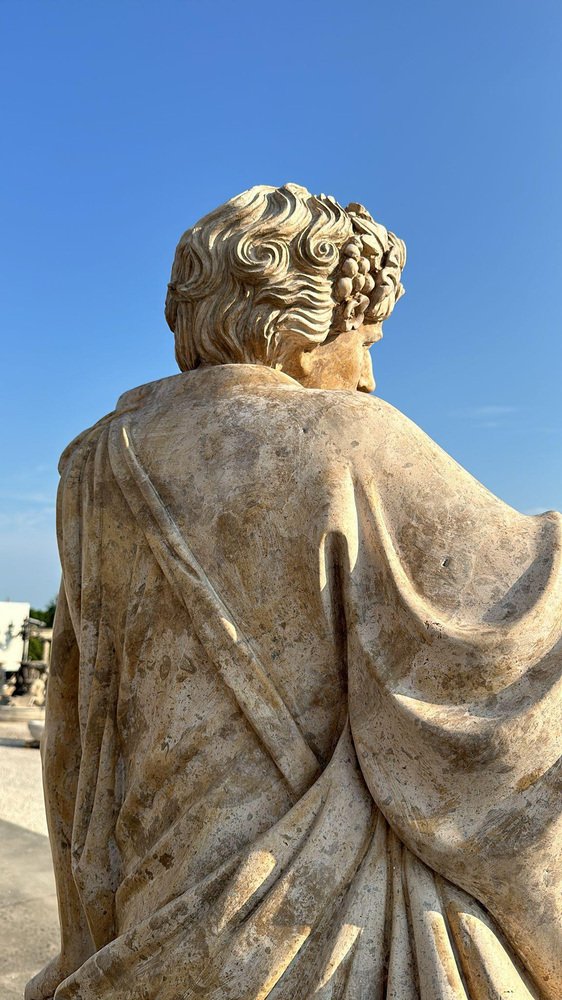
(303,712)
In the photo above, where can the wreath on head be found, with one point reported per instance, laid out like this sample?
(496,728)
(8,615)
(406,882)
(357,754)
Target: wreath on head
(366,282)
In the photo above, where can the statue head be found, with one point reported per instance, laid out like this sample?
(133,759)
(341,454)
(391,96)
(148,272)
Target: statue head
(287,279)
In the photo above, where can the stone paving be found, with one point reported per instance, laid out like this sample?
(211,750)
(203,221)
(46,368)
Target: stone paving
(28,908)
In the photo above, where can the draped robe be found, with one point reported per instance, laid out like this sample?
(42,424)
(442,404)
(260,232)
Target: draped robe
(302,729)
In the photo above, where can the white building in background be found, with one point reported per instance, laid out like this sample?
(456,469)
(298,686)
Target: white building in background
(12,617)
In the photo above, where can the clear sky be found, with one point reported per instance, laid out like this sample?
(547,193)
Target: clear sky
(123,122)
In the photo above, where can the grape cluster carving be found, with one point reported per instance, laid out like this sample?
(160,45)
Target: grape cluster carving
(366,283)
(353,283)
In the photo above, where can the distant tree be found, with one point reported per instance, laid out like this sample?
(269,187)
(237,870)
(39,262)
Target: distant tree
(47,615)
(35,649)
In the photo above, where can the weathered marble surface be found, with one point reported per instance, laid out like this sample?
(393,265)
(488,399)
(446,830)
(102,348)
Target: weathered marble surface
(303,712)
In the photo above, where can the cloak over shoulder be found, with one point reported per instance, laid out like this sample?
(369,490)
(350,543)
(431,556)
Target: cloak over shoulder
(303,715)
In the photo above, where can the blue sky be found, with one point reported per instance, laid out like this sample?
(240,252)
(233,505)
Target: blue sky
(124,122)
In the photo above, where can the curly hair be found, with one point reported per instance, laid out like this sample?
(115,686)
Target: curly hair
(261,273)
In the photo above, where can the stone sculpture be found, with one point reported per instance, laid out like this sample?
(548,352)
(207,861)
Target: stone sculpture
(303,711)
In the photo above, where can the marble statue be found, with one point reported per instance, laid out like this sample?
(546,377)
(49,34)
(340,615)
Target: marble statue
(303,715)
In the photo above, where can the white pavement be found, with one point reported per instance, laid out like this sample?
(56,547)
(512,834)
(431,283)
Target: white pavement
(28,909)
(21,789)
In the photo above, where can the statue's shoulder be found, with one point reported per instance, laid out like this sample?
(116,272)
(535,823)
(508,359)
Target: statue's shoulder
(128,402)
(357,420)
(378,430)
